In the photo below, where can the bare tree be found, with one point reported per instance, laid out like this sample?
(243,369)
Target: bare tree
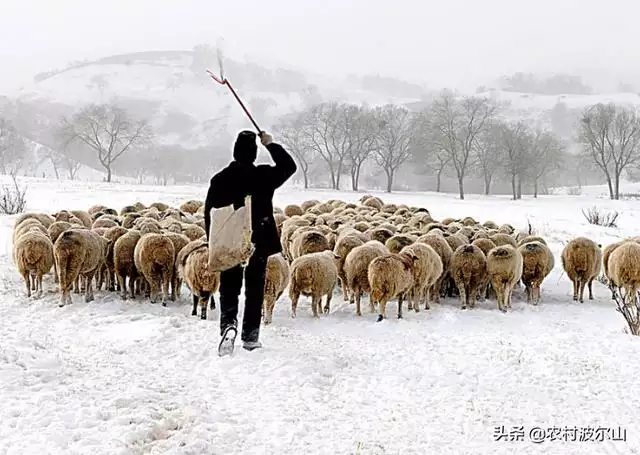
(488,156)
(394,139)
(360,129)
(293,138)
(515,142)
(323,132)
(107,130)
(456,125)
(545,156)
(611,137)
(12,148)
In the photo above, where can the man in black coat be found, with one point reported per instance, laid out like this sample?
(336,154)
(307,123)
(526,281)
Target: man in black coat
(230,186)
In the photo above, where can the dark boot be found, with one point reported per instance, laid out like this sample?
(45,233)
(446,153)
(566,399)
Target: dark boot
(254,294)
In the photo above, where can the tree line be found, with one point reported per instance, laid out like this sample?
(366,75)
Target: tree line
(465,136)
(460,136)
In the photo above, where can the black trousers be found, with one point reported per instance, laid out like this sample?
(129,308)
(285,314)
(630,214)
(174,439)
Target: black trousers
(230,286)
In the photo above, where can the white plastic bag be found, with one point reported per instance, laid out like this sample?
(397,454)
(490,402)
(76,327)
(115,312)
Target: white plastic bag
(230,237)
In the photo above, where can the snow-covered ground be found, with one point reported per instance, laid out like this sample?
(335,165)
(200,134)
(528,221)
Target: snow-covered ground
(115,377)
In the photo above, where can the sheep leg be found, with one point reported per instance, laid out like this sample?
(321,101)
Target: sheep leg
(55,273)
(358,296)
(123,288)
(40,290)
(194,311)
(327,305)
(268,305)
(582,285)
(295,296)
(315,305)
(132,286)
(426,299)
(575,289)
(471,297)
(345,292)
(590,285)
(174,284)
(400,299)
(212,302)
(382,309)
(88,290)
(76,285)
(463,297)
(27,282)
(204,300)
(536,294)
(100,278)
(166,281)
(410,301)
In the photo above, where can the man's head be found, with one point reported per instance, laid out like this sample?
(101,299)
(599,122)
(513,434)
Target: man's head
(245,149)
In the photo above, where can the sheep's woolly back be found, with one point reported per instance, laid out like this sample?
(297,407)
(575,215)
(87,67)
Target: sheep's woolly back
(43,218)
(440,245)
(78,251)
(582,259)
(196,272)
(624,266)
(104,222)
(292,210)
(191,206)
(504,264)
(356,264)
(123,250)
(428,268)
(606,254)
(154,254)
(311,241)
(485,245)
(29,225)
(314,274)
(456,240)
(84,217)
(33,252)
(531,239)
(468,267)
(57,228)
(396,243)
(537,262)
(503,239)
(390,275)
(277,276)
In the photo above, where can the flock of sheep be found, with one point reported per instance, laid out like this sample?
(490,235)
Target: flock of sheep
(384,250)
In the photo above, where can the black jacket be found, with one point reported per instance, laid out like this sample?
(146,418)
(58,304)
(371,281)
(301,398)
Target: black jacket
(233,183)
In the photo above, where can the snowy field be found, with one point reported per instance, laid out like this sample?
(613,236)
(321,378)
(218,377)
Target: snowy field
(113,377)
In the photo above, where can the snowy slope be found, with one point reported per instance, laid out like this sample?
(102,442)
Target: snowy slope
(116,377)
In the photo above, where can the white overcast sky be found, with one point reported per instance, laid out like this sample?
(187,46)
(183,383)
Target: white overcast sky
(436,41)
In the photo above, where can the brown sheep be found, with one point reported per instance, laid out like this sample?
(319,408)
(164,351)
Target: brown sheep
(78,252)
(582,260)
(29,225)
(531,238)
(130,219)
(276,281)
(469,272)
(104,222)
(43,218)
(490,224)
(380,234)
(193,232)
(537,263)
(504,267)
(440,245)
(396,243)
(33,253)
(84,217)
(313,275)
(624,269)
(456,240)
(307,242)
(427,270)
(356,267)
(306,205)
(191,206)
(154,257)
(123,262)
(391,276)
(179,242)
(503,239)
(292,210)
(95,209)
(159,206)
(127,209)
(605,257)
(107,273)
(202,282)
(373,202)
(485,245)
(343,247)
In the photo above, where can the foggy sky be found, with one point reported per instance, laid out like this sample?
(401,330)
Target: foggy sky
(440,43)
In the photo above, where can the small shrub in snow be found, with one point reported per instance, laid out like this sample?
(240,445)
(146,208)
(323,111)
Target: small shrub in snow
(601,218)
(631,313)
(630,196)
(574,191)
(12,198)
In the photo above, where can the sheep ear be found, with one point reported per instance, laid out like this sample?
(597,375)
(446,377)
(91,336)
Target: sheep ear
(599,245)
(336,256)
(415,258)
